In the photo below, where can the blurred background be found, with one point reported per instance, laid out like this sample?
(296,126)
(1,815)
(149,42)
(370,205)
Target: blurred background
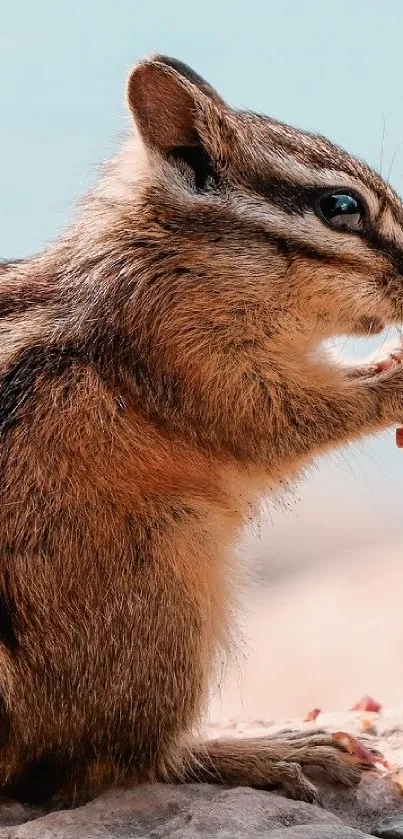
(322,620)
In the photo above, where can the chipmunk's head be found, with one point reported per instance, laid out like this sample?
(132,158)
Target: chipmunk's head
(252,215)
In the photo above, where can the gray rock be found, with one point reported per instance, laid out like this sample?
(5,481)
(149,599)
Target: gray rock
(12,813)
(375,798)
(390,827)
(202,811)
(305,831)
(178,812)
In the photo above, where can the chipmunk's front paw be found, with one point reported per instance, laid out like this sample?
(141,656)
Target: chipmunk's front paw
(384,359)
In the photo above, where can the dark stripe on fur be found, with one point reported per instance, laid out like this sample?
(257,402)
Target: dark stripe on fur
(295,199)
(289,196)
(8,636)
(380,244)
(8,616)
(21,300)
(17,383)
(318,152)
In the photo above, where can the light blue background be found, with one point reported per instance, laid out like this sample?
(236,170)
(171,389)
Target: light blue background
(333,67)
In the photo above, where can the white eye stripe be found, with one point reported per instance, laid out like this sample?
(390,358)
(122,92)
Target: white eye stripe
(286,166)
(289,168)
(292,165)
(305,229)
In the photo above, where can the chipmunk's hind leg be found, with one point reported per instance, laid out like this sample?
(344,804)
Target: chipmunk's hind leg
(272,762)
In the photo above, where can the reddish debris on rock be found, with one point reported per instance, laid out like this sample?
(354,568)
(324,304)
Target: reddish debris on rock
(358,750)
(367,703)
(311,715)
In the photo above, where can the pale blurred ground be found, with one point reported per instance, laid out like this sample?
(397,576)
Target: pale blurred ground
(324,622)
(321,639)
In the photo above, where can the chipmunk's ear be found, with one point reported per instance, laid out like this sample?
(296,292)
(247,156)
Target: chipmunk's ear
(167,100)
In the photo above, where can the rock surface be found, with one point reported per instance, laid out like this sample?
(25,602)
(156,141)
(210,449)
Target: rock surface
(159,811)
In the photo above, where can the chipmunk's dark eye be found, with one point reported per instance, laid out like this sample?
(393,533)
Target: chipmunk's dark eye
(342,211)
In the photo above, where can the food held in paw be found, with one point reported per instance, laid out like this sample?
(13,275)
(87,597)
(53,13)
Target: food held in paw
(399,438)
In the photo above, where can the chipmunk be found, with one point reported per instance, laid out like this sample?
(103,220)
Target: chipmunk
(161,367)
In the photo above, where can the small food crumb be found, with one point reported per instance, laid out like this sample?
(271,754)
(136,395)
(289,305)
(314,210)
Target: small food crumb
(368,726)
(367,703)
(311,715)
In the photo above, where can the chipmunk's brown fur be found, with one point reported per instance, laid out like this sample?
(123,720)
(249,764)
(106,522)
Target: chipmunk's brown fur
(160,371)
